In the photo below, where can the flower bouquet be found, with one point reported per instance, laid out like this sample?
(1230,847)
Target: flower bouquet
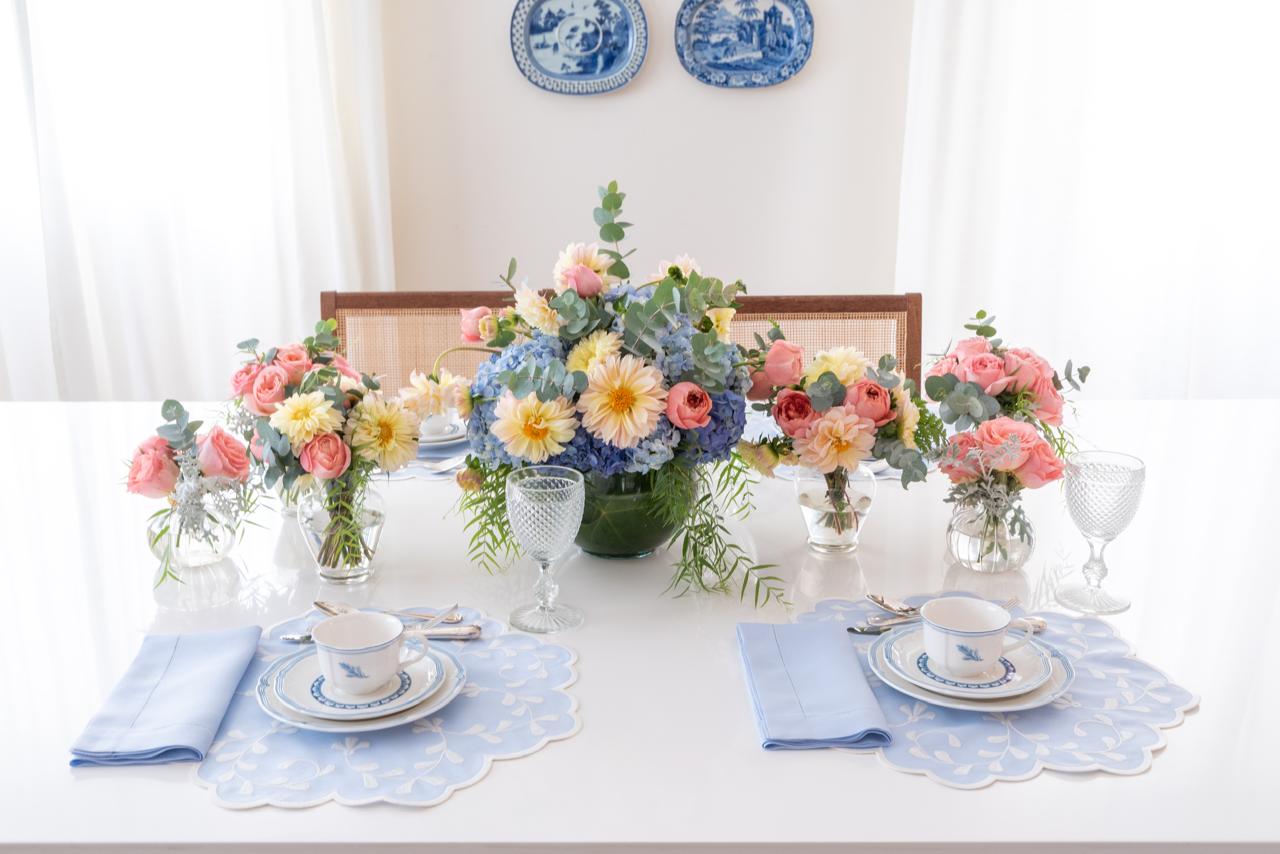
(309,413)
(205,480)
(632,383)
(1005,404)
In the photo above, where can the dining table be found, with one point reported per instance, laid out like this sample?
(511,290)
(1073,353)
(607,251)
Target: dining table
(668,757)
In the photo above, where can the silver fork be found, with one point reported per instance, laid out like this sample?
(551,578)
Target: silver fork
(914,613)
(333,609)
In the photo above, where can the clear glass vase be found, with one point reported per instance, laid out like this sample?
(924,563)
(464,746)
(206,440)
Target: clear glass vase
(342,528)
(985,541)
(835,507)
(291,497)
(619,519)
(188,541)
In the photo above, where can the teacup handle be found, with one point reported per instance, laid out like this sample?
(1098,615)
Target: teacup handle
(1027,631)
(414,655)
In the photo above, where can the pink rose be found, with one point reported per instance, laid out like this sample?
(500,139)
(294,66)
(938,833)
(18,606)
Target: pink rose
(584,280)
(326,456)
(222,455)
(242,380)
(470,322)
(794,412)
(1048,401)
(153,473)
(1024,367)
(255,446)
(344,367)
(1042,466)
(688,406)
(985,370)
(294,360)
(784,363)
(870,400)
(268,390)
(962,460)
(761,388)
(1006,442)
(975,346)
(945,365)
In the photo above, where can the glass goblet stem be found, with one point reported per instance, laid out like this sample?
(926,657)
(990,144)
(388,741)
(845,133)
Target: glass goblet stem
(546,588)
(1095,568)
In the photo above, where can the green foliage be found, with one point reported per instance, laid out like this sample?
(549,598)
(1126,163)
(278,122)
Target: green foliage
(884,373)
(581,317)
(708,361)
(705,292)
(178,430)
(963,404)
(981,324)
(612,230)
(343,540)
(644,323)
(825,392)
(509,278)
(548,383)
(1073,377)
(931,432)
(324,340)
(492,545)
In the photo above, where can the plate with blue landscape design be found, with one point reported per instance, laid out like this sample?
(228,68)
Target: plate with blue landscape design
(579,47)
(744,44)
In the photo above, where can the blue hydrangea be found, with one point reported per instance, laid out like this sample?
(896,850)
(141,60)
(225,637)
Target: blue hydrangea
(540,350)
(717,440)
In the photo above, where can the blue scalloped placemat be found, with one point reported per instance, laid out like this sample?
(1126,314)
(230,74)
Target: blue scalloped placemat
(513,704)
(1111,720)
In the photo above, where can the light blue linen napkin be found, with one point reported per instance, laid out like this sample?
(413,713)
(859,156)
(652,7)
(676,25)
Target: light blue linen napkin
(808,687)
(168,705)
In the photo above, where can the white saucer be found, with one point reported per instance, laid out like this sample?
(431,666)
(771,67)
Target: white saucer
(452,433)
(1058,683)
(1021,670)
(455,676)
(301,686)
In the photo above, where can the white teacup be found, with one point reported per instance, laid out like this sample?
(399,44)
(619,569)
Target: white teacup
(437,425)
(360,652)
(966,637)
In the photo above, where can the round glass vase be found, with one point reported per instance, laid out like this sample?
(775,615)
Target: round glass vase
(190,542)
(619,519)
(985,541)
(292,496)
(835,507)
(342,527)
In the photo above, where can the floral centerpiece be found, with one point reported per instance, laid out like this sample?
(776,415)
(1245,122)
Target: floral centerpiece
(1005,405)
(309,413)
(205,481)
(632,382)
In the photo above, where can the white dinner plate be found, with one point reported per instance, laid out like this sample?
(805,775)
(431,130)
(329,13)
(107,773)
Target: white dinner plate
(300,685)
(1022,670)
(1058,683)
(455,431)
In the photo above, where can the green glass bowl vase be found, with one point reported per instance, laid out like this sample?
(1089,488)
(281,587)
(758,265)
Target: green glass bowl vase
(619,519)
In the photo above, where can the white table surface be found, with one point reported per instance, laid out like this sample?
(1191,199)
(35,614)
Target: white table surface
(668,754)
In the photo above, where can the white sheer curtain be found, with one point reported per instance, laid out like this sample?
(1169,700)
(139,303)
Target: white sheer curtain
(186,174)
(1105,176)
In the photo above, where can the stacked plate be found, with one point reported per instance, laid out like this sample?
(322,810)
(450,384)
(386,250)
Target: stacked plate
(293,690)
(1028,677)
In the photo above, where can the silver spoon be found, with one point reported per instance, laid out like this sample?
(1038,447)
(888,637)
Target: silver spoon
(470,632)
(333,609)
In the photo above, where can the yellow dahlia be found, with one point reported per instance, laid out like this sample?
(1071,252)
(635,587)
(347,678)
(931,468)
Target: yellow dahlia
(838,439)
(384,432)
(721,320)
(302,417)
(847,363)
(533,429)
(908,415)
(424,396)
(684,263)
(587,255)
(536,311)
(623,400)
(593,350)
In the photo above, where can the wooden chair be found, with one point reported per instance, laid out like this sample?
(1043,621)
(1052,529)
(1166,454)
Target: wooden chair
(391,333)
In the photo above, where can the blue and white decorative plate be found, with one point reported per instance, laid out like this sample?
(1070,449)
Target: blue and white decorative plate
(1022,671)
(744,44)
(300,685)
(579,47)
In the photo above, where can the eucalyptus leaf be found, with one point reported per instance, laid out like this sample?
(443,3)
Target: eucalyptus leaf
(171,410)
(826,391)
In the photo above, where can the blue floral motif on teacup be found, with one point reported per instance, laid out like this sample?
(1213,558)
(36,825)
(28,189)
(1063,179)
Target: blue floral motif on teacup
(353,670)
(968,652)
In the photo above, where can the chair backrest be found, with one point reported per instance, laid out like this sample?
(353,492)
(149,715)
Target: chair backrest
(391,333)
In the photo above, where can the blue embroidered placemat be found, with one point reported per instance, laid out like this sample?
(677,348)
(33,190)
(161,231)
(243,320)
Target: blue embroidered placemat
(1112,719)
(513,704)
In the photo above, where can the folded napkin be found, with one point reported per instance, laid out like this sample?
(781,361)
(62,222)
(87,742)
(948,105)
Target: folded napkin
(808,687)
(168,706)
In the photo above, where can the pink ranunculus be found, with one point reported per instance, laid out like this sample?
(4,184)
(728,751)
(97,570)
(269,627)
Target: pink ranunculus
(761,388)
(1006,442)
(1048,401)
(469,322)
(584,280)
(294,360)
(344,367)
(222,455)
(974,346)
(870,400)
(326,456)
(794,412)
(1024,367)
(1042,466)
(962,459)
(986,371)
(242,380)
(945,365)
(268,390)
(784,363)
(153,473)
(688,406)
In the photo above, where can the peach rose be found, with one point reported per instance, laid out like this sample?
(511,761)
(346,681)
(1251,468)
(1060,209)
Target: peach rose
(975,346)
(294,360)
(242,380)
(469,322)
(153,473)
(784,363)
(870,400)
(962,460)
(255,446)
(344,367)
(268,390)
(761,388)
(794,412)
(1042,466)
(584,280)
(326,456)
(688,406)
(985,370)
(1048,401)
(222,455)
(1006,442)
(945,365)
(1024,367)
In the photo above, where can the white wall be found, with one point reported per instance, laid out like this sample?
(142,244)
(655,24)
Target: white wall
(793,188)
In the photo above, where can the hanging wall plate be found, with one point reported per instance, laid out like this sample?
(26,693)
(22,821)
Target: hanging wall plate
(744,44)
(579,47)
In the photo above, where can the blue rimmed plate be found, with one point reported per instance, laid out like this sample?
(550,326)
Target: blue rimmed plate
(1020,671)
(744,44)
(300,685)
(579,47)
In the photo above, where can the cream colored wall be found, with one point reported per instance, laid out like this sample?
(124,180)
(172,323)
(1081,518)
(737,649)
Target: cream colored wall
(793,188)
